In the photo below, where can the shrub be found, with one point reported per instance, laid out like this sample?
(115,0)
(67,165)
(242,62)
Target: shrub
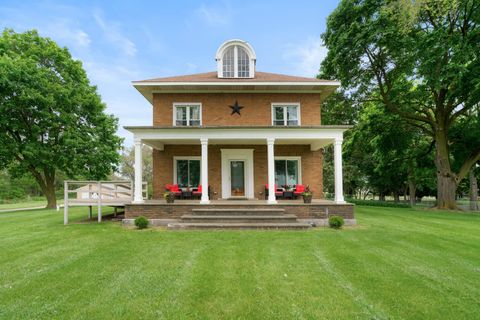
(335,222)
(376,203)
(141,222)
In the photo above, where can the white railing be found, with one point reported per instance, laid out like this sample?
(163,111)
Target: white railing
(99,193)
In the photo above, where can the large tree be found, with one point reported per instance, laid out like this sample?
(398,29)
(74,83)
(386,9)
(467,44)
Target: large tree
(127,163)
(52,119)
(418,58)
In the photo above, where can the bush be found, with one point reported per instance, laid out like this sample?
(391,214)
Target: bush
(141,222)
(376,203)
(335,222)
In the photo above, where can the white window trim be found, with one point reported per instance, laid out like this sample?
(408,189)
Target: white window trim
(286,104)
(299,161)
(185,158)
(185,104)
(251,63)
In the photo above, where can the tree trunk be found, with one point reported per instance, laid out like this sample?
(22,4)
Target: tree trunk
(381,197)
(446,182)
(473,191)
(396,196)
(47,184)
(412,190)
(50,194)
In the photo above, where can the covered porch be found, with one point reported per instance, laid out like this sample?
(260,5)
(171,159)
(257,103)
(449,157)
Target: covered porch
(220,152)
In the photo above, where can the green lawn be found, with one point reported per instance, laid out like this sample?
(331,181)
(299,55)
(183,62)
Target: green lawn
(398,263)
(26,204)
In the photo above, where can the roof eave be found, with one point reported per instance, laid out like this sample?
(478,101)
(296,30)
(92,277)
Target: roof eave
(237,83)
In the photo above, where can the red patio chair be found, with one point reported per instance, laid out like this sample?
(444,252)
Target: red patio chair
(198,192)
(278,193)
(299,189)
(176,190)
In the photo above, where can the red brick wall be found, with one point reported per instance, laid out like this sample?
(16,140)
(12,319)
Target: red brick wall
(178,209)
(312,166)
(257,109)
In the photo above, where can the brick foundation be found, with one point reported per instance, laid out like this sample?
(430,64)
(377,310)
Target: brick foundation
(176,210)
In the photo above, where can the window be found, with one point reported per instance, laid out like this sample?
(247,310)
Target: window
(228,63)
(235,59)
(187,114)
(236,63)
(286,114)
(287,171)
(187,172)
(243,63)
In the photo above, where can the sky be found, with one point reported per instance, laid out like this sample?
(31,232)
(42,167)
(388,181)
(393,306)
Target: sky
(122,41)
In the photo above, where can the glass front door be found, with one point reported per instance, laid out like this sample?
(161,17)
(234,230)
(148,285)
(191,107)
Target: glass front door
(237,178)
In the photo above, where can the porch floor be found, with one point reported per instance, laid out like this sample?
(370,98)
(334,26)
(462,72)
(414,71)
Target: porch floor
(246,202)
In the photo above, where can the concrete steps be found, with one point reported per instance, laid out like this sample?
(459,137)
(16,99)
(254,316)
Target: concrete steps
(238,211)
(236,225)
(238,218)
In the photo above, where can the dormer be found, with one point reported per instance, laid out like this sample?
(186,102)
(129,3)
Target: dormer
(235,59)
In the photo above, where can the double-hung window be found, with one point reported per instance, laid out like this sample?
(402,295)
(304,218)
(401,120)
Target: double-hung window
(187,114)
(287,171)
(187,172)
(286,114)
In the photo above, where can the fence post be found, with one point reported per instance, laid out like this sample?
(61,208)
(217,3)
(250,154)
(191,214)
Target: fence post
(90,198)
(99,201)
(65,202)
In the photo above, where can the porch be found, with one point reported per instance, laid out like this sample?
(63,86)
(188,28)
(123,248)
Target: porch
(239,162)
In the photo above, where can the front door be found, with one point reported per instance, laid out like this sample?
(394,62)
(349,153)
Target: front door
(237,178)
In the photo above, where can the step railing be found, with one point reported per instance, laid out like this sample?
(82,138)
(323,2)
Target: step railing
(98,193)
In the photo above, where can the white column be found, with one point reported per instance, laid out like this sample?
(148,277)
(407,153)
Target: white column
(271,171)
(337,150)
(137,195)
(204,173)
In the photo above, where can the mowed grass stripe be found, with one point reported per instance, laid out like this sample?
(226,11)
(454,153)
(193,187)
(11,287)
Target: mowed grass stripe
(397,263)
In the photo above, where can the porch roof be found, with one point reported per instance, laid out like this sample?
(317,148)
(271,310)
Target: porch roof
(315,136)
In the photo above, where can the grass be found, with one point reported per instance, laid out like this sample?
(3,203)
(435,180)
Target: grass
(26,204)
(397,263)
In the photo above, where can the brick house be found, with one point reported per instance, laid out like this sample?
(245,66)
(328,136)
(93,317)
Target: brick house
(238,131)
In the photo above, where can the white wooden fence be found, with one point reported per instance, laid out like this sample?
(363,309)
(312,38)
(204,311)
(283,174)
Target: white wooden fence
(98,193)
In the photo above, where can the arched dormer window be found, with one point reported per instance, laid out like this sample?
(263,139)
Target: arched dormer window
(229,63)
(235,59)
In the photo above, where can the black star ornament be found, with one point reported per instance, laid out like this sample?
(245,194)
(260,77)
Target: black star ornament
(236,108)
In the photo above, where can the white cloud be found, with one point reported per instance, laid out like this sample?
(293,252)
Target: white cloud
(306,56)
(215,16)
(111,30)
(82,38)
(72,36)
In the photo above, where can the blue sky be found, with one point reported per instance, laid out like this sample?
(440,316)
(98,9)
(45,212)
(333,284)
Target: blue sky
(121,41)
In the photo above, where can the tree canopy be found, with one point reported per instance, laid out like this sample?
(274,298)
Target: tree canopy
(420,60)
(52,119)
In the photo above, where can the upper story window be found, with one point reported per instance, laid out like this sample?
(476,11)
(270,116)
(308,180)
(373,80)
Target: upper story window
(286,114)
(236,59)
(229,63)
(243,63)
(187,114)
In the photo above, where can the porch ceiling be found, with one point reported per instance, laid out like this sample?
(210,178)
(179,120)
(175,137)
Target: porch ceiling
(317,136)
(315,144)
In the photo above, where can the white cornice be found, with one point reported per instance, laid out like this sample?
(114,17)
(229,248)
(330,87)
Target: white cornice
(237,83)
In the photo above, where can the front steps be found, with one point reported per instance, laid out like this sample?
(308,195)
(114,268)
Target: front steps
(238,218)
